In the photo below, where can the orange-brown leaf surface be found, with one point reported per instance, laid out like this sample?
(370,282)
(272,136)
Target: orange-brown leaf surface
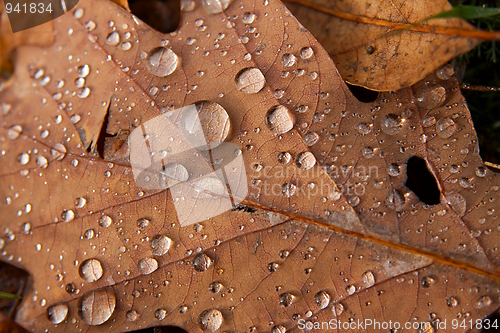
(376,45)
(331,228)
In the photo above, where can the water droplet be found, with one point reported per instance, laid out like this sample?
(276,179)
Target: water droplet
(58,151)
(44,134)
(279,120)
(174,173)
(284,157)
(42,162)
(452,302)
(393,169)
(351,289)
(202,262)
(391,124)
(90,25)
(147,265)
(430,97)
(250,80)
(89,234)
(248,18)
(287,299)
(83,71)
(338,309)
(322,298)
(278,329)
(91,270)
(211,320)
(428,121)
(311,138)
(83,92)
(142,223)
(288,60)
(75,118)
(160,244)
(113,38)
(132,315)
(306,52)
(162,61)
(483,302)
(214,121)
(80,202)
(288,189)
(457,203)
(368,279)
(187,6)
(215,287)
(215,6)
(2,243)
(428,281)
(396,200)
(97,306)
(160,314)
(23,158)
(368,152)
(364,128)
(57,313)
(14,132)
(446,127)
(445,73)
(68,215)
(306,160)
(105,221)
(481,171)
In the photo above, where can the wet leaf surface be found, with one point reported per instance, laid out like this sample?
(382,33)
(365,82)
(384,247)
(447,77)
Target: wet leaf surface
(330,228)
(371,52)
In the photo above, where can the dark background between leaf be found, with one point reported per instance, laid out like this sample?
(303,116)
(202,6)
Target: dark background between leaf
(480,66)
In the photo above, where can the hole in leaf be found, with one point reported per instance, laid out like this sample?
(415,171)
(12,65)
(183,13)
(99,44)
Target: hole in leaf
(421,181)
(13,280)
(362,94)
(103,134)
(162,329)
(164,16)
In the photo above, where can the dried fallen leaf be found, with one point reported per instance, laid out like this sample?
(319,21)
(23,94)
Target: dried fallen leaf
(306,244)
(377,44)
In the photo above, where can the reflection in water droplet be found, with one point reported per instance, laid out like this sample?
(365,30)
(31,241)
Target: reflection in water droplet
(428,281)
(457,203)
(147,265)
(97,306)
(391,124)
(430,97)
(160,314)
(188,5)
(202,262)
(306,160)
(14,132)
(368,279)
(91,270)
(446,127)
(306,52)
(57,313)
(113,38)
(279,120)
(452,302)
(250,80)
(288,60)
(351,289)
(162,61)
(311,138)
(287,299)
(288,189)
(174,173)
(58,151)
(211,320)
(445,73)
(393,169)
(483,302)
(322,298)
(284,157)
(248,18)
(105,221)
(215,6)
(160,244)
(42,162)
(68,215)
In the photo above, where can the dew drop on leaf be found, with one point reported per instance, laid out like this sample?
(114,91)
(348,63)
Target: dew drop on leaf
(248,18)
(430,97)
(287,299)
(83,71)
(279,120)
(351,289)
(428,281)
(452,302)
(68,215)
(445,127)
(457,203)
(105,221)
(288,189)
(160,314)
(91,270)
(396,200)
(311,139)
(364,128)
(445,73)
(368,279)
(288,59)
(58,151)
(160,244)
(174,173)
(142,223)
(147,265)
(215,287)
(132,315)
(483,302)
(393,169)
(250,80)
(57,313)
(211,320)
(113,39)
(481,171)
(278,329)
(80,202)
(14,132)
(97,306)
(188,5)
(306,160)
(306,52)
(202,262)
(338,309)
(162,61)
(391,124)
(23,158)
(284,157)
(322,298)
(215,6)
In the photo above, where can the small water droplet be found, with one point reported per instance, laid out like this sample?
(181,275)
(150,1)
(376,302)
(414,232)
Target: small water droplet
(187,6)
(97,306)
(446,127)
(162,61)
(287,299)
(279,120)
(83,92)
(215,287)
(306,52)
(202,262)
(430,97)
(393,169)
(457,203)
(83,71)
(211,320)
(160,314)
(278,329)
(90,25)
(250,80)
(58,151)
(428,281)
(91,270)
(105,221)
(23,158)
(132,315)
(445,73)
(428,121)
(396,200)
(483,302)
(452,302)
(364,128)
(57,313)
(42,162)
(284,157)
(288,189)
(481,171)
(351,289)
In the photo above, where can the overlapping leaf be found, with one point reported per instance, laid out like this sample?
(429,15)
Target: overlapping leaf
(329,229)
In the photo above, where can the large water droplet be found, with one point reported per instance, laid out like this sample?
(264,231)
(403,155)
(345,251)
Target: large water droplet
(160,244)
(306,52)
(338,309)
(322,298)
(42,162)
(58,151)
(288,60)
(287,299)
(162,61)
(207,122)
(446,127)
(393,169)
(211,320)
(457,202)
(202,262)
(284,157)
(250,80)
(430,97)
(105,221)
(91,270)
(215,6)
(391,124)
(368,279)
(306,160)
(80,202)
(311,138)
(445,73)
(160,314)
(248,18)
(57,313)
(97,306)
(174,173)
(279,120)
(147,265)
(113,38)
(68,215)
(14,132)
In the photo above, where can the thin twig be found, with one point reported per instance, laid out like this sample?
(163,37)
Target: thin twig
(467,86)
